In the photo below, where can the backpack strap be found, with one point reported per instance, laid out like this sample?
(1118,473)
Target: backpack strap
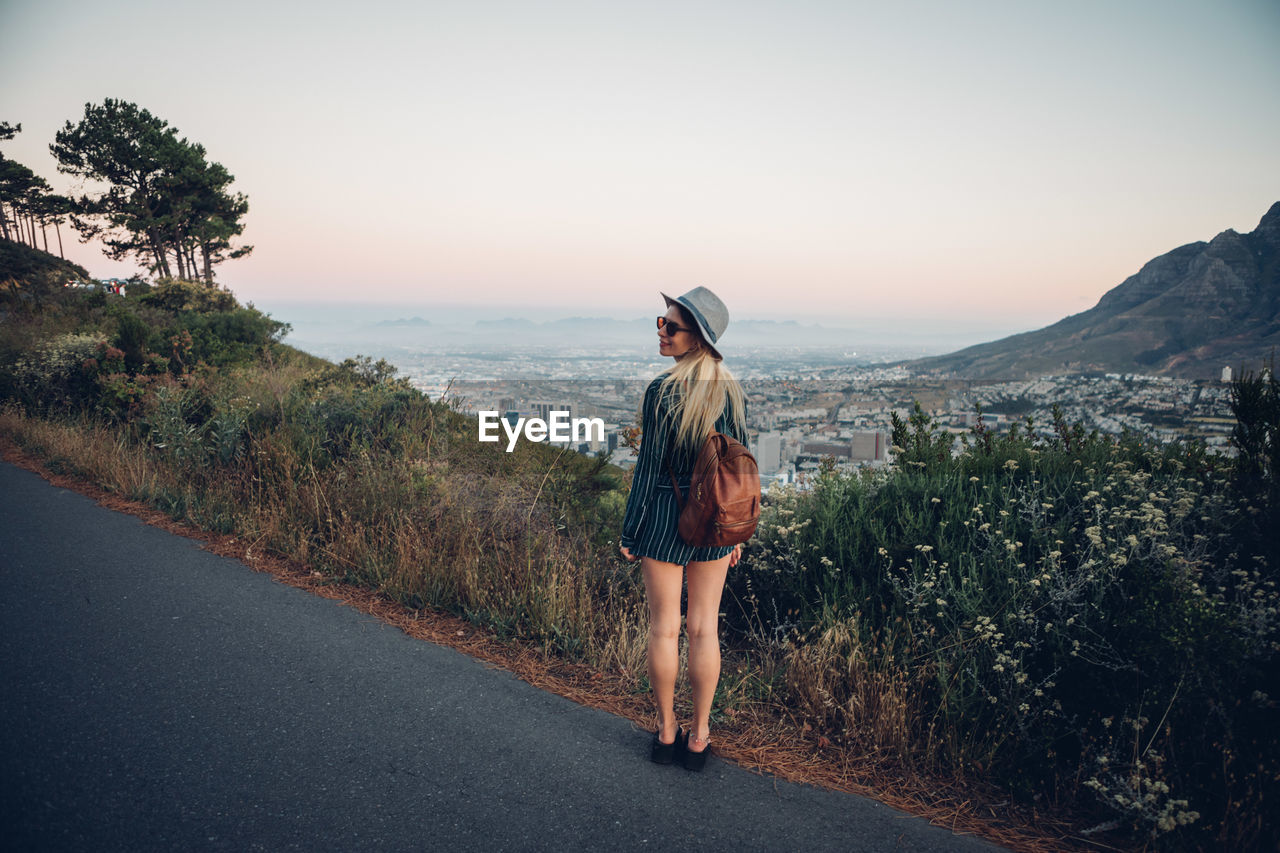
(675,484)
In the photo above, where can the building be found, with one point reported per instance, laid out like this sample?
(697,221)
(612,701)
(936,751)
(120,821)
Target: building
(769,452)
(543,410)
(817,449)
(869,446)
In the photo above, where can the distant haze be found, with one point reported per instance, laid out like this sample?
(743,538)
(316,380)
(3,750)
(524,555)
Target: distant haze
(963,169)
(369,328)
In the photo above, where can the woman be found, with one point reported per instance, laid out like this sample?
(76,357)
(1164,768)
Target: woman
(682,406)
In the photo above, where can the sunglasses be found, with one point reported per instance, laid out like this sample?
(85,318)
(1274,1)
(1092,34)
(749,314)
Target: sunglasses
(670,327)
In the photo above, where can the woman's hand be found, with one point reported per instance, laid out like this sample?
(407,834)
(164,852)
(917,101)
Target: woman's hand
(626,554)
(735,555)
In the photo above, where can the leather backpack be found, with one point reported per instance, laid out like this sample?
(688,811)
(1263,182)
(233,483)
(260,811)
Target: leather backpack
(724,494)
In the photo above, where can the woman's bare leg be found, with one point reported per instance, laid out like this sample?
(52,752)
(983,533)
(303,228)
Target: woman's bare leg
(706,583)
(662,583)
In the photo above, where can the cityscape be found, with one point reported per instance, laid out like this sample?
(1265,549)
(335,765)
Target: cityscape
(807,406)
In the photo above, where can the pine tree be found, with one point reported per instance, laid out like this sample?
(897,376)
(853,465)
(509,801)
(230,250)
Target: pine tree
(163,200)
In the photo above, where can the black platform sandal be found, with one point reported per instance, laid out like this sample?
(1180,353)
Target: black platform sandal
(665,753)
(694,760)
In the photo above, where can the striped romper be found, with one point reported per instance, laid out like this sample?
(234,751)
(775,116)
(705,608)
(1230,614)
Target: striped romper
(649,527)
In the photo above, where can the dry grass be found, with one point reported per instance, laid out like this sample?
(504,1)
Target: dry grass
(836,681)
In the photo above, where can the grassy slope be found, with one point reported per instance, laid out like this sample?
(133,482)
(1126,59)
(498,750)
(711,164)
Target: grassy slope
(22,263)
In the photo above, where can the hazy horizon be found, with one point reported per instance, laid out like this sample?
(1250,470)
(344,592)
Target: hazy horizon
(478,327)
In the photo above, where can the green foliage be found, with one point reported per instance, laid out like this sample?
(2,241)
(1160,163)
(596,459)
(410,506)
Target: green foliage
(26,202)
(1255,402)
(175,295)
(340,419)
(120,395)
(57,374)
(358,372)
(224,338)
(178,328)
(174,427)
(917,441)
(132,338)
(1073,594)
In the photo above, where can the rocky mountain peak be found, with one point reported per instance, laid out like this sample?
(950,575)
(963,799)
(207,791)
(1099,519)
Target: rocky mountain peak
(1269,228)
(1188,312)
(1271,219)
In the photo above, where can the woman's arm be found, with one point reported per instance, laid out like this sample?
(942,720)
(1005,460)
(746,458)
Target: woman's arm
(649,463)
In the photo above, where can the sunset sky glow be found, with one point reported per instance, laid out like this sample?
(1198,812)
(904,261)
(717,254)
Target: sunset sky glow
(1006,160)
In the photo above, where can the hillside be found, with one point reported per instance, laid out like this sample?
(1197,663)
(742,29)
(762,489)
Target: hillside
(1019,585)
(22,263)
(1187,313)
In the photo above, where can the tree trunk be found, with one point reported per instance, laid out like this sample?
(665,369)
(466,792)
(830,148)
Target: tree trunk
(208,267)
(182,266)
(44,233)
(157,249)
(57,230)
(4,223)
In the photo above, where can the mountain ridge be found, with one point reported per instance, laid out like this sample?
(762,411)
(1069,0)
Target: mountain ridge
(1188,313)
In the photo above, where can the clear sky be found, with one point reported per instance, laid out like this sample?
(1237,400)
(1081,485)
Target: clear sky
(1003,162)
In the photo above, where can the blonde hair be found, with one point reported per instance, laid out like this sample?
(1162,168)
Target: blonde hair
(699,387)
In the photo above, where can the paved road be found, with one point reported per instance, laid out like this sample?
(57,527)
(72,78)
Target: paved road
(154,696)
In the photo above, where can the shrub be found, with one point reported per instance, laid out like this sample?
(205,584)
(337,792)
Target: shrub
(223,338)
(177,295)
(57,374)
(1067,595)
(132,338)
(1255,402)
